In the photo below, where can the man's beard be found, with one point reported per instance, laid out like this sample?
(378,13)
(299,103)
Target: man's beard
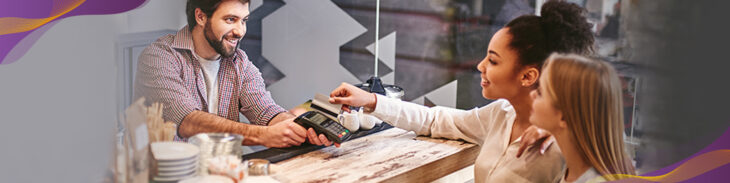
(217,44)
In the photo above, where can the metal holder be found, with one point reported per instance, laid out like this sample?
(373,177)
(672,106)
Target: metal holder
(258,167)
(216,144)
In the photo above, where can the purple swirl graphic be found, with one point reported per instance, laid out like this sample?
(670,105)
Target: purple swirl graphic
(14,45)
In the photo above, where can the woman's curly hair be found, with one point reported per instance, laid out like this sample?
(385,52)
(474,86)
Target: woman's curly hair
(562,28)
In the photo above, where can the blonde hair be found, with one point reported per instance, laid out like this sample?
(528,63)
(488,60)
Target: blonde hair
(588,92)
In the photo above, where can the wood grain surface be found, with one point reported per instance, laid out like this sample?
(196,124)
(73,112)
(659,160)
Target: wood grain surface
(393,155)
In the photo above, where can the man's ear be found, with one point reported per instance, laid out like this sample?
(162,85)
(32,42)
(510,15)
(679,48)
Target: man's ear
(200,17)
(529,76)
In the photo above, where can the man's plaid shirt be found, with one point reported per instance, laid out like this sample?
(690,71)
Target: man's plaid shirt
(167,72)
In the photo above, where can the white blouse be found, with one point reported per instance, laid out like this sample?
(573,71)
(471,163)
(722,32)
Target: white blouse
(489,126)
(591,175)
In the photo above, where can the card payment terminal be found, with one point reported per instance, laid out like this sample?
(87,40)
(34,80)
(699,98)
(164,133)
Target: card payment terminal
(324,125)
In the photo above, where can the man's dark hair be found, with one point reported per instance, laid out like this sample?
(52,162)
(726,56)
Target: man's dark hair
(207,6)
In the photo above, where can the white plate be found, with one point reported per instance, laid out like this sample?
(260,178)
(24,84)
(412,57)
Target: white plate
(193,160)
(208,178)
(176,168)
(172,151)
(176,173)
(175,178)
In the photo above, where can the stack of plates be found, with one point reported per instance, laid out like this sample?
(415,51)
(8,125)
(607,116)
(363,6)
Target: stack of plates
(175,160)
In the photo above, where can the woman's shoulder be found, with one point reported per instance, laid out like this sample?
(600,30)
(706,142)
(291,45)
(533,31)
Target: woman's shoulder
(591,175)
(499,104)
(500,107)
(551,155)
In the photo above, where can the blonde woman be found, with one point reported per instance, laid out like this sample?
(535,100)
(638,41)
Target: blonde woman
(509,73)
(579,102)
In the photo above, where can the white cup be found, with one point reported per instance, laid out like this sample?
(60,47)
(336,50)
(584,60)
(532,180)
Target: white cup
(367,122)
(351,121)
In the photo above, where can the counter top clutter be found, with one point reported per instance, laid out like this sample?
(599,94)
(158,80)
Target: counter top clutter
(377,155)
(150,155)
(392,155)
(180,161)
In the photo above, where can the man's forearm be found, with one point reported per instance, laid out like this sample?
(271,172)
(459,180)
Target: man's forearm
(281,117)
(201,122)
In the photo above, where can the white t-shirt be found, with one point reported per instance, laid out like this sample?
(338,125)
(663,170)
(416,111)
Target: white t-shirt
(489,126)
(210,72)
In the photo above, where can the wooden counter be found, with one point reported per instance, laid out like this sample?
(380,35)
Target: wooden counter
(393,155)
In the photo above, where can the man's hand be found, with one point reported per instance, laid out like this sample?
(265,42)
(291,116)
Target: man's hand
(535,135)
(350,95)
(319,140)
(284,134)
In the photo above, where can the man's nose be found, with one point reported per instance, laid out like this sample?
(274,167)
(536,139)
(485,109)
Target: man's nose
(238,31)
